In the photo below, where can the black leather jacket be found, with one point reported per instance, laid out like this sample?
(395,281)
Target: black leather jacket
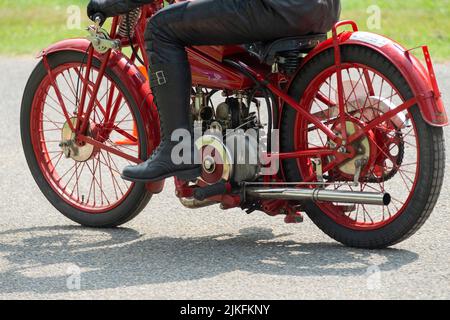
(318,14)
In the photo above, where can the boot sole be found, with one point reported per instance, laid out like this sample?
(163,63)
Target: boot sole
(186,175)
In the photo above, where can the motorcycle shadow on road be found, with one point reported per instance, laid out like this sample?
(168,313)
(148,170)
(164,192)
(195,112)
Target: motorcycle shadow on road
(42,259)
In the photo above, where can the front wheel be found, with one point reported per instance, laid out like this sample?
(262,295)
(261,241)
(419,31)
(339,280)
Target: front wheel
(402,156)
(83,184)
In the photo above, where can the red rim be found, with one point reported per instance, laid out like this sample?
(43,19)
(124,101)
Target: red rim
(393,159)
(93,185)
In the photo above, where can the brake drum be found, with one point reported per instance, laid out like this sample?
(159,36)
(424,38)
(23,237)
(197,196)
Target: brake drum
(71,149)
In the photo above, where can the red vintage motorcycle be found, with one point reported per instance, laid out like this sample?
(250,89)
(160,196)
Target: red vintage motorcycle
(359,118)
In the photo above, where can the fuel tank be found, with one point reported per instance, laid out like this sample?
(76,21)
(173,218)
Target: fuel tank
(208,69)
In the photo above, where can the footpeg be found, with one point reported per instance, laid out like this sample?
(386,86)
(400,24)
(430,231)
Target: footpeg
(217,189)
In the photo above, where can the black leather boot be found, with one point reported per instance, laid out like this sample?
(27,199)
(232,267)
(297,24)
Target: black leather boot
(174,114)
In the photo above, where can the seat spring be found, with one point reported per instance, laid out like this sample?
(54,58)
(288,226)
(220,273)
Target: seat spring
(133,20)
(290,61)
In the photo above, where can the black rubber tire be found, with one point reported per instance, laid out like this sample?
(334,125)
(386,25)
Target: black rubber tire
(136,200)
(432,156)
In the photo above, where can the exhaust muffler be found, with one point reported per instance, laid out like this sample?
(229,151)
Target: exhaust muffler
(323,195)
(192,203)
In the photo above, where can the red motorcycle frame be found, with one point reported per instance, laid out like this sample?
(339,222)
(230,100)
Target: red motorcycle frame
(210,70)
(206,62)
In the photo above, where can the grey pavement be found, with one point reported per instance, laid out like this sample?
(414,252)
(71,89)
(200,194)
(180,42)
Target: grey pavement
(169,252)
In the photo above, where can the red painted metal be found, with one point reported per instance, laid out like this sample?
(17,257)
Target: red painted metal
(211,73)
(430,67)
(338,64)
(386,116)
(135,82)
(336,212)
(318,152)
(58,93)
(418,77)
(85,87)
(284,96)
(132,140)
(103,146)
(48,163)
(90,108)
(321,97)
(209,70)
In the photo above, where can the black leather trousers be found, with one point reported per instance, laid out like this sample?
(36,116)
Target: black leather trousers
(206,22)
(216,22)
(221,22)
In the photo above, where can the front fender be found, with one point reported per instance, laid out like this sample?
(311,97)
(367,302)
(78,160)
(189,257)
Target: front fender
(135,82)
(421,80)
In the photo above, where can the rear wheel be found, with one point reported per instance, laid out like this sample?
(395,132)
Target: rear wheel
(397,159)
(83,184)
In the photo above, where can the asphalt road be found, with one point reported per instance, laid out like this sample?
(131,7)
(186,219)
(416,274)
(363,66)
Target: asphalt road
(169,252)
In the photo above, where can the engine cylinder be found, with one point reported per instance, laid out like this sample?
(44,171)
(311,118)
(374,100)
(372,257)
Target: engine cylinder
(244,149)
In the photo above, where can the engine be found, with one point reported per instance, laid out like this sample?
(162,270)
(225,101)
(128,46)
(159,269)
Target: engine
(231,129)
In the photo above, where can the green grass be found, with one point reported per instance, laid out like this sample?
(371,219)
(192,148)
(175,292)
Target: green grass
(26,26)
(410,22)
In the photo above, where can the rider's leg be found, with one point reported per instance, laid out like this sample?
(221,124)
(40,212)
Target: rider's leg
(202,22)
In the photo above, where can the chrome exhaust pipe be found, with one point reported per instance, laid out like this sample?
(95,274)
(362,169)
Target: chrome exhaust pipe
(192,203)
(323,195)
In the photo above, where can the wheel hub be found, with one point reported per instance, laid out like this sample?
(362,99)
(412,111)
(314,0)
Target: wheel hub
(71,148)
(362,147)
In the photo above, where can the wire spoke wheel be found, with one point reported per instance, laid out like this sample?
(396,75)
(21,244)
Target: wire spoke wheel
(87,178)
(390,150)
(392,157)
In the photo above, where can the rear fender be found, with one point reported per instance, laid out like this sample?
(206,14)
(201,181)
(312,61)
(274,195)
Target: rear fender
(135,82)
(421,79)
